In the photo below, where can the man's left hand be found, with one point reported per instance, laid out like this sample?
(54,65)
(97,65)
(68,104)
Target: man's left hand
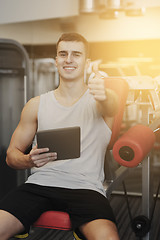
(97,87)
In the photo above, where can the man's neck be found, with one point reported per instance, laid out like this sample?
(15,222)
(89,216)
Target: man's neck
(69,93)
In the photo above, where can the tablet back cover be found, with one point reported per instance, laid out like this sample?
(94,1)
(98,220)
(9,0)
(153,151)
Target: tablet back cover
(64,141)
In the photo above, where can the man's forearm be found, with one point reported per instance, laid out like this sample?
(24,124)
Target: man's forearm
(109,106)
(18,160)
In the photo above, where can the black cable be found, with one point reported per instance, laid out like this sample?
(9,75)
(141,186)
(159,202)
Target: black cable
(126,197)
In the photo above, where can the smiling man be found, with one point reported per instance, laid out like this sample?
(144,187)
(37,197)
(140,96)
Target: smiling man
(72,185)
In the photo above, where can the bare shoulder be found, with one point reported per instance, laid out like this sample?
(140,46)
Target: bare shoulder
(31,107)
(33,102)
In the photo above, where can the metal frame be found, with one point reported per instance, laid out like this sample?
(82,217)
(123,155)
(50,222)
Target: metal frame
(9,44)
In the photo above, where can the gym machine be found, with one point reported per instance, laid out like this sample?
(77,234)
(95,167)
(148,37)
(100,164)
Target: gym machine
(134,148)
(44,76)
(14,93)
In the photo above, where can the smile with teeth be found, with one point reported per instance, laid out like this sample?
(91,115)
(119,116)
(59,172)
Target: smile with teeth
(69,68)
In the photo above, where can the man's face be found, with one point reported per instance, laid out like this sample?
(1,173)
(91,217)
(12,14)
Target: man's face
(71,60)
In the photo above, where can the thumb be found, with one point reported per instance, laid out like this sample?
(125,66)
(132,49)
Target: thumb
(95,70)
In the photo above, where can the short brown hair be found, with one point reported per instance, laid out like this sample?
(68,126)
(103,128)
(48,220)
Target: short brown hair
(74,37)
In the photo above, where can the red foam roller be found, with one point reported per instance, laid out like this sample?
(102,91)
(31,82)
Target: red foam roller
(131,148)
(54,220)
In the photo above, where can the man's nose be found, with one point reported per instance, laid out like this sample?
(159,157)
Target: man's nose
(69,58)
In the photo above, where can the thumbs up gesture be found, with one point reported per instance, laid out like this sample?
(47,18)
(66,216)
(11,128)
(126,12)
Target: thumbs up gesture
(97,87)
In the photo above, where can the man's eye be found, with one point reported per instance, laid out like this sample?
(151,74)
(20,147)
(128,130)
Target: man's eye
(62,54)
(76,54)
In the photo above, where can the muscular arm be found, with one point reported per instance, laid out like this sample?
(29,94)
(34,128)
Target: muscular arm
(108,107)
(22,138)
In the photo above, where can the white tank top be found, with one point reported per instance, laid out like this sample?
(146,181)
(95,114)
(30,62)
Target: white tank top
(85,172)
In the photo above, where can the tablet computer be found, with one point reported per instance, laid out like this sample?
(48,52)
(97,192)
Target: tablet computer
(64,141)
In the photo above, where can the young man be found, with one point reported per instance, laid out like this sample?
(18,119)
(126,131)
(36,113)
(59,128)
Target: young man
(74,185)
